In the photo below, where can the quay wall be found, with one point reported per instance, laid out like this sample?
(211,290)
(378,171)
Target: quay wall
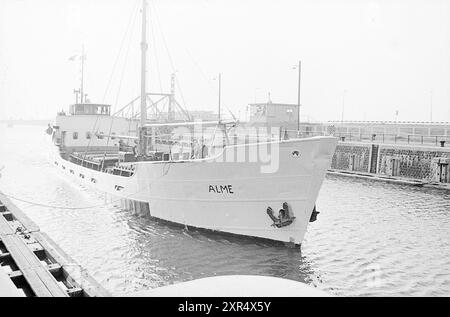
(424,163)
(352,157)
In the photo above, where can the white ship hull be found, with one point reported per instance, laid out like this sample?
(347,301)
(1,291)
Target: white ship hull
(225,196)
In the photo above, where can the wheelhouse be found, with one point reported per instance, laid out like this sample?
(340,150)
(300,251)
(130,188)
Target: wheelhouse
(90,109)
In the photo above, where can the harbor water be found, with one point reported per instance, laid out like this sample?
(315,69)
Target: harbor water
(370,238)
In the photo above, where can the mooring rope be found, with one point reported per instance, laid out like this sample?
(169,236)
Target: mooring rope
(33,203)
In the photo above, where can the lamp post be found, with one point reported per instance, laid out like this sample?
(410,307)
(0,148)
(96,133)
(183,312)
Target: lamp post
(343,105)
(82,58)
(431,105)
(256,89)
(77,93)
(219,79)
(299,67)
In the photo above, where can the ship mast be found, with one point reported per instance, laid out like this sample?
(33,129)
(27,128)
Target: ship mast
(144,47)
(82,74)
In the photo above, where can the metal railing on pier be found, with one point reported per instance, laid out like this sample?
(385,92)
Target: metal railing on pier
(414,139)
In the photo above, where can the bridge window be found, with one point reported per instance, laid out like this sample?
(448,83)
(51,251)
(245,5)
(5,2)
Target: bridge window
(90,109)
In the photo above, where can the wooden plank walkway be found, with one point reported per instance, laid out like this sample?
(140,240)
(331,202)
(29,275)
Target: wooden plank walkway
(37,263)
(40,280)
(7,287)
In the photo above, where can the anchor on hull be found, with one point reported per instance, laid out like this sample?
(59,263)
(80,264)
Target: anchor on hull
(285,218)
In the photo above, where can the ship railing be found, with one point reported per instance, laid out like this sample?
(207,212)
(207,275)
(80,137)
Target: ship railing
(200,147)
(123,170)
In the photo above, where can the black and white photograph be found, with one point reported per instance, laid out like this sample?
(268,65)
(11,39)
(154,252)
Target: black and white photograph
(225,154)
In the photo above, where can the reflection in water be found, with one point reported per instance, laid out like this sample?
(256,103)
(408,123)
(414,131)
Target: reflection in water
(370,238)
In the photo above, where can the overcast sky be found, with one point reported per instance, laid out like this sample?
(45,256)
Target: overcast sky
(387,55)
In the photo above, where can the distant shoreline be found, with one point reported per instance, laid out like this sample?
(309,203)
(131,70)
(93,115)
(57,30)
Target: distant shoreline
(26,122)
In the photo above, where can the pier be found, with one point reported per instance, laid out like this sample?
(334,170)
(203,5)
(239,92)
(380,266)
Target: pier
(409,153)
(397,163)
(33,265)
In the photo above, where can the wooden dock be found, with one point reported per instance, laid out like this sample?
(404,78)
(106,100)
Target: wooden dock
(31,264)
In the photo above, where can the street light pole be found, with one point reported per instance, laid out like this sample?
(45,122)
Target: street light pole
(298,100)
(82,72)
(343,105)
(220,91)
(431,105)
(256,89)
